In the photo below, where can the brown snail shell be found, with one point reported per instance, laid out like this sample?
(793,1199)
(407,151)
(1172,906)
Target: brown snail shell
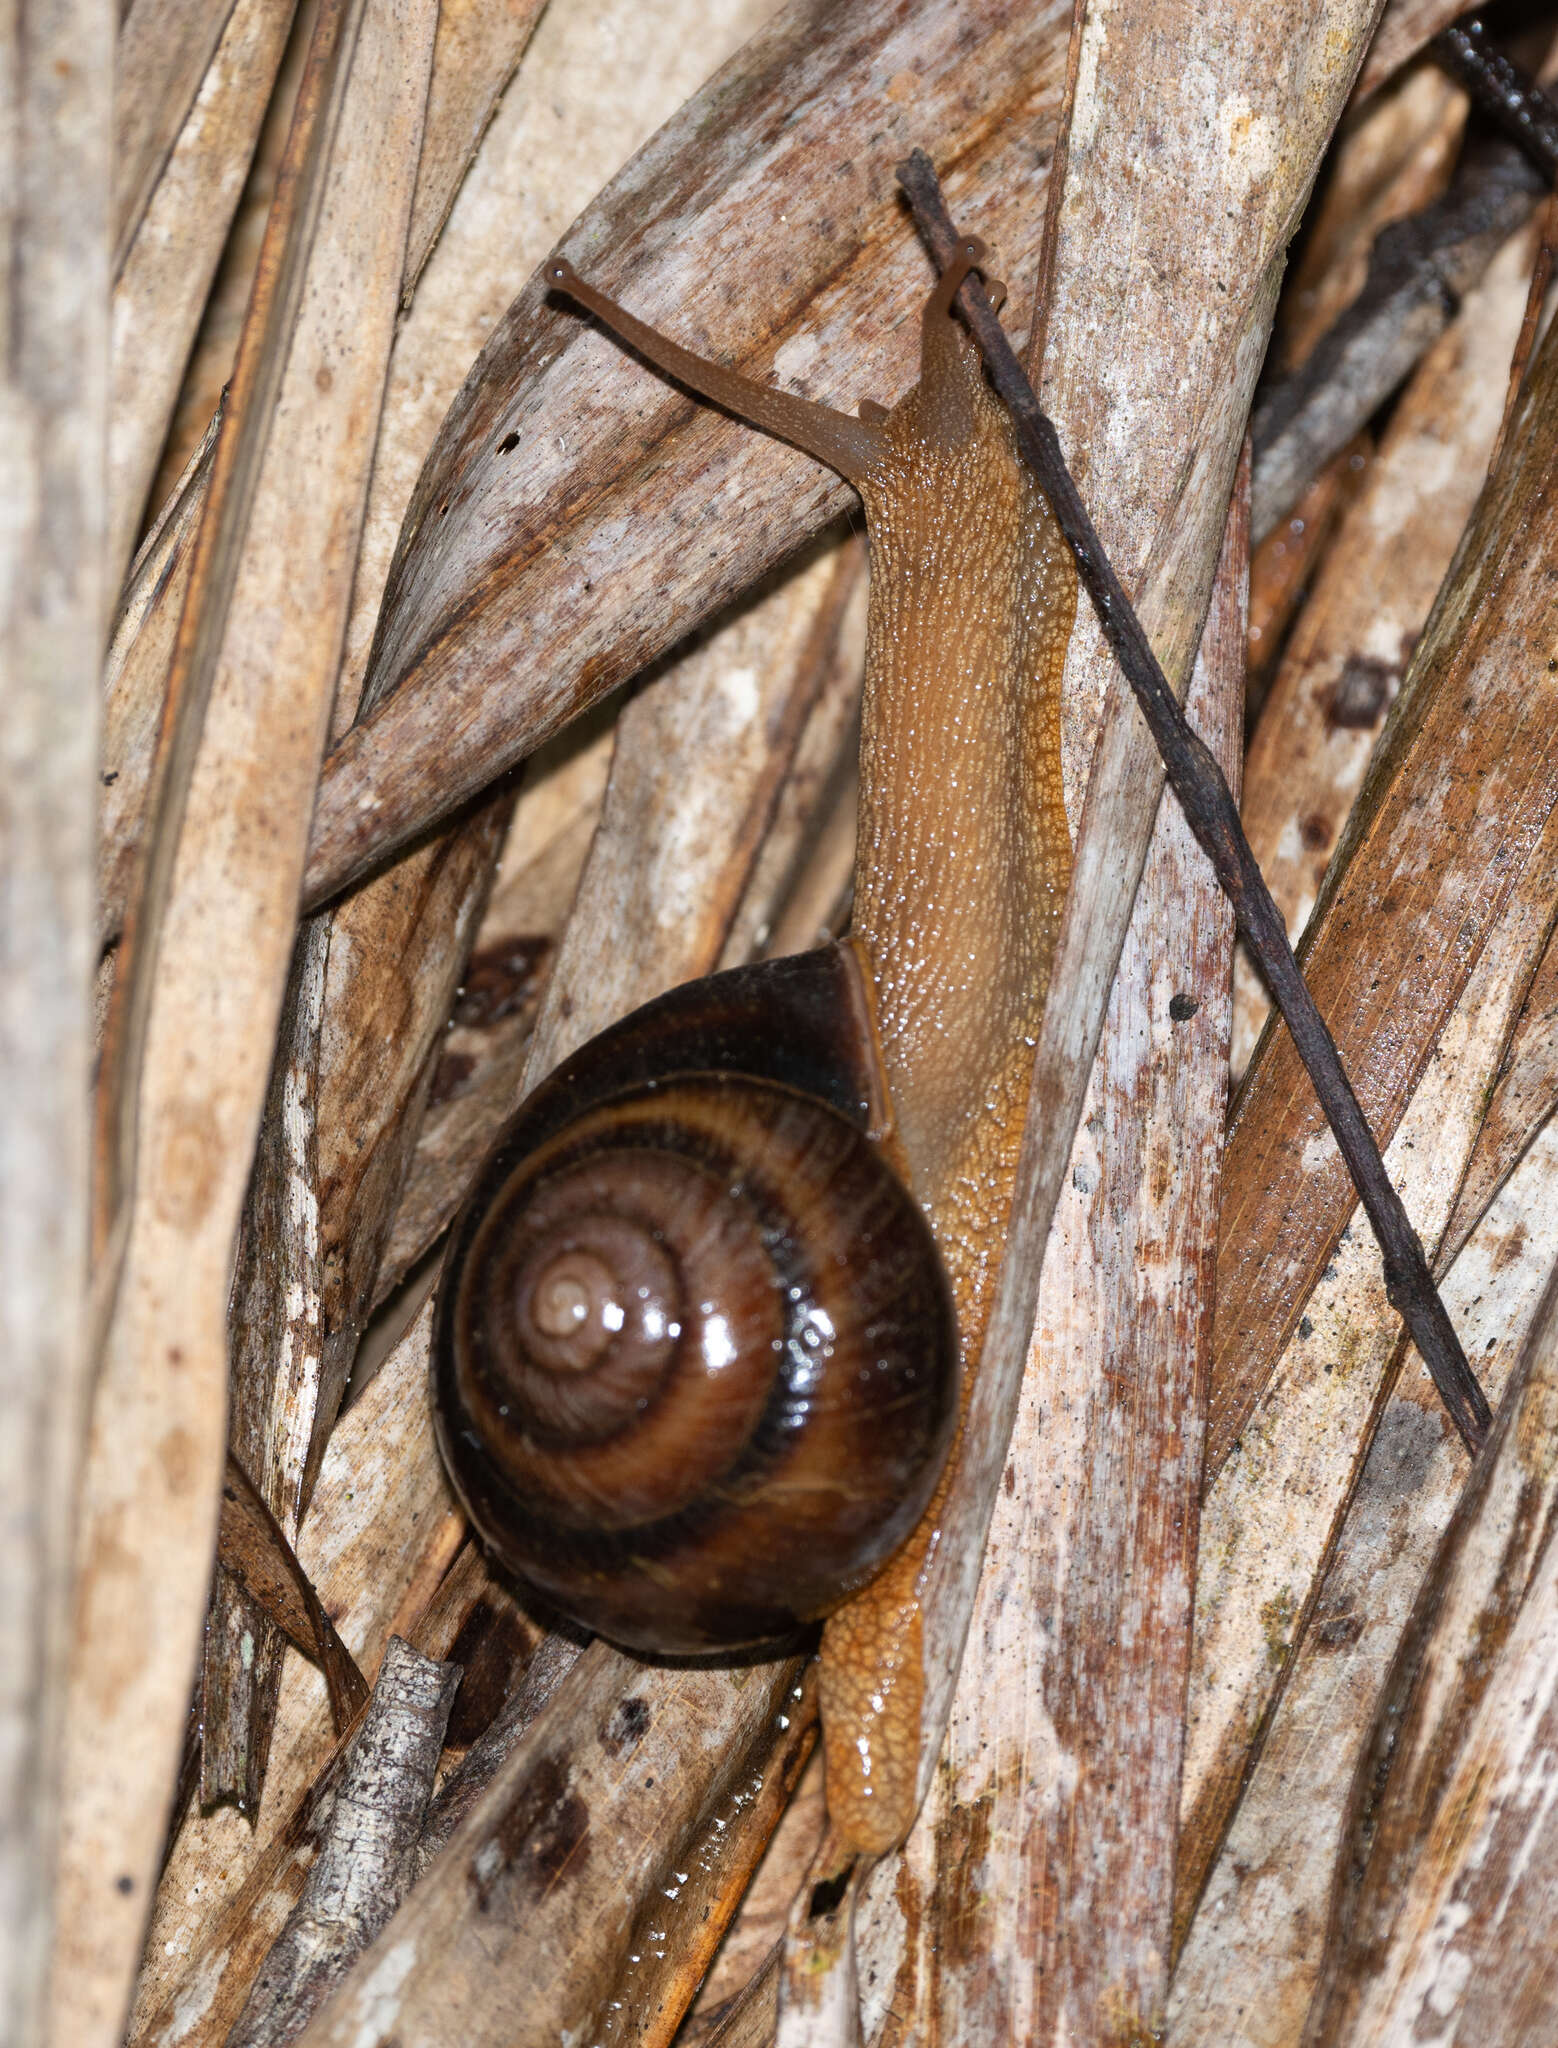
(695,1356)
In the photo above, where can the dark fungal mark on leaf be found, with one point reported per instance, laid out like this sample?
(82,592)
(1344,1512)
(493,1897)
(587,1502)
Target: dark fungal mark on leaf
(626,1729)
(1360,694)
(546,1828)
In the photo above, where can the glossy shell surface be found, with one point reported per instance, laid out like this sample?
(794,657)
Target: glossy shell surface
(695,1356)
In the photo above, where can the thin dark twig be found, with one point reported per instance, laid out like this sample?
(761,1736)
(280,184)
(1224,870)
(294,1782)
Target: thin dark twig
(1419,272)
(1502,91)
(1208,803)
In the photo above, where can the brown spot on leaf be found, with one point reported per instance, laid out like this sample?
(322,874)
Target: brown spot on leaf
(545,1829)
(1338,1631)
(492,1650)
(183,1174)
(501,980)
(1314,829)
(450,1077)
(1361,692)
(180,1461)
(965,1842)
(626,1729)
(1509,1248)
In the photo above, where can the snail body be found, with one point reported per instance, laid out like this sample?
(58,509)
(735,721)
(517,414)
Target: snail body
(695,1355)
(915,1036)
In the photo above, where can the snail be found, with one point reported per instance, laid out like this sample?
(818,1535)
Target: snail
(695,1329)
(837,1131)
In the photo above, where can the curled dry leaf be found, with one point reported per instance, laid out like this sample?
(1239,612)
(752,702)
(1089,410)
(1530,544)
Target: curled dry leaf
(367,1854)
(564,531)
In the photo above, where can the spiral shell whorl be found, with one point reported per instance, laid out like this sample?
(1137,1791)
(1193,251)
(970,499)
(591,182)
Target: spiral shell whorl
(695,1362)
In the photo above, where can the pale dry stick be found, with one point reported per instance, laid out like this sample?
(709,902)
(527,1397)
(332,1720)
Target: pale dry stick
(56,84)
(164,48)
(478,50)
(367,1858)
(567,1875)
(1352,644)
(1442,1917)
(200,997)
(165,277)
(1248,1966)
